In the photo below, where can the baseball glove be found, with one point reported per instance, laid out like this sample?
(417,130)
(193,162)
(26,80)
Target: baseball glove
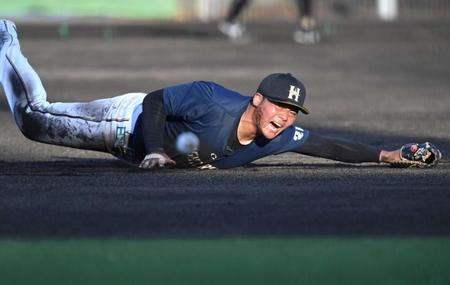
(421,155)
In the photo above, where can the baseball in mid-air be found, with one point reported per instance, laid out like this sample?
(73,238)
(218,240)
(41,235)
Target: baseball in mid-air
(187,143)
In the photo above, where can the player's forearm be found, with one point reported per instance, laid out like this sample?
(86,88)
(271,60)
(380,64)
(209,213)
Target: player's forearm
(339,149)
(153,121)
(389,156)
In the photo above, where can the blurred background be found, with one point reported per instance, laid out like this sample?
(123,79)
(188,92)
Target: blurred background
(213,10)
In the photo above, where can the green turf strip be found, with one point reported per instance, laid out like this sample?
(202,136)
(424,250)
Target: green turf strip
(226,261)
(117,8)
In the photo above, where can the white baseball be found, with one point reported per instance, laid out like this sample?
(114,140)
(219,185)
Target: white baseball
(187,143)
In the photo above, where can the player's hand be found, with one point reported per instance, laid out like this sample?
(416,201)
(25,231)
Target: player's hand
(156,160)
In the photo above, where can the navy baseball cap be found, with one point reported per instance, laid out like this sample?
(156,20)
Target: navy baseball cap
(284,88)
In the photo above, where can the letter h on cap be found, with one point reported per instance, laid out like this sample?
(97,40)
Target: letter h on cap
(294,93)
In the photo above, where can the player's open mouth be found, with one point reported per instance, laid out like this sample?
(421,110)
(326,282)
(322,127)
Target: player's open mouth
(275,125)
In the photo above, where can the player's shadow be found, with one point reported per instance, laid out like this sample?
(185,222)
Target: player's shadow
(64,167)
(320,165)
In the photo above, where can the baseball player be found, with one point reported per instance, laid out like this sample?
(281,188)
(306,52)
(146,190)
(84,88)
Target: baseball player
(306,32)
(141,129)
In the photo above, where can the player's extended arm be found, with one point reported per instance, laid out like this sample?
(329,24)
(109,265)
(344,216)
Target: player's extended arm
(409,155)
(153,121)
(339,149)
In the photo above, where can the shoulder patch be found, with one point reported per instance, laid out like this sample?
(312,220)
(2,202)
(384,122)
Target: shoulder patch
(298,134)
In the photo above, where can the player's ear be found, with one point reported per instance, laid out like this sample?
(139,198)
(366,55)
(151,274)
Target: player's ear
(258,98)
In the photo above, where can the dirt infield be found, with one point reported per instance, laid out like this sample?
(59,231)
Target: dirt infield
(384,84)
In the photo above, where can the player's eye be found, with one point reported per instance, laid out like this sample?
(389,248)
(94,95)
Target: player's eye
(292,113)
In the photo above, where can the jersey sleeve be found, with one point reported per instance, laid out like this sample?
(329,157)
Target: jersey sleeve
(291,140)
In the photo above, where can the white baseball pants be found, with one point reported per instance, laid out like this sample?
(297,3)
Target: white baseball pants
(100,125)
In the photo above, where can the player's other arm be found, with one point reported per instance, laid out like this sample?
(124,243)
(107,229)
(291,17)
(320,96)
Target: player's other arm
(409,155)
(153,121)
(340,149)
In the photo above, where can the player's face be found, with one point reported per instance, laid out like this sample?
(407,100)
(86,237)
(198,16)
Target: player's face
(273,118)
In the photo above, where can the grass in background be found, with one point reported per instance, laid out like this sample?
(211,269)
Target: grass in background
(154,9)
(226,261)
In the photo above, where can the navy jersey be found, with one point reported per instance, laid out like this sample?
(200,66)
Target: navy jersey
(213,112)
